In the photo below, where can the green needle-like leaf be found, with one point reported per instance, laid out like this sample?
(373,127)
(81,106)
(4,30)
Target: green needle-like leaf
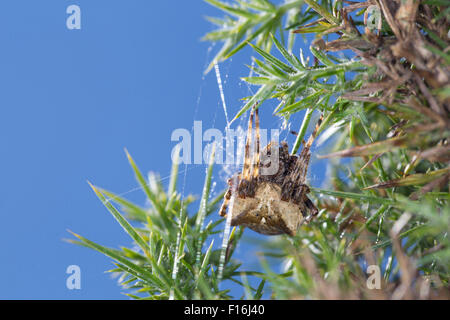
(143,273)
(352,195)
(122,221)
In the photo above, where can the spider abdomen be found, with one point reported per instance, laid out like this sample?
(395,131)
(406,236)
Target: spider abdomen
(266,213)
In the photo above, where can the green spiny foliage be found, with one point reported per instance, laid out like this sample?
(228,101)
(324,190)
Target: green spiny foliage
(168,259)
(385,106)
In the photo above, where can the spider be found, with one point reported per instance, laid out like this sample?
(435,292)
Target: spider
(274,203)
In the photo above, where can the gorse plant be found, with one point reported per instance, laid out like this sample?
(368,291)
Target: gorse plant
(168,260)
(386,105)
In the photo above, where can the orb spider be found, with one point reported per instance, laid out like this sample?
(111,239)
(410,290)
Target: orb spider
(273,203)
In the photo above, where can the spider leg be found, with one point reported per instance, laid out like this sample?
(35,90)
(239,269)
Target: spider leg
(311,207)
(305,154)
(256,155)
(308,144)
(292,188)
(246,170)
(224,207)
(294,184)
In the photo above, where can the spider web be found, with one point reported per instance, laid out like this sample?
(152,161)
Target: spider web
(227,168)
(180,218)
(186,168)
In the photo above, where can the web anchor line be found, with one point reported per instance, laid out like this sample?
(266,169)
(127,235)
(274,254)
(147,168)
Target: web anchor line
(222,95)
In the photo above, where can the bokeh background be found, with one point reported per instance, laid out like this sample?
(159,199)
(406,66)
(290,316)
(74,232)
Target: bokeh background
(72,100)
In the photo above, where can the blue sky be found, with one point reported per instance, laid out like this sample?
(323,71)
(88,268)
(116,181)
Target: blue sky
(71,101)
